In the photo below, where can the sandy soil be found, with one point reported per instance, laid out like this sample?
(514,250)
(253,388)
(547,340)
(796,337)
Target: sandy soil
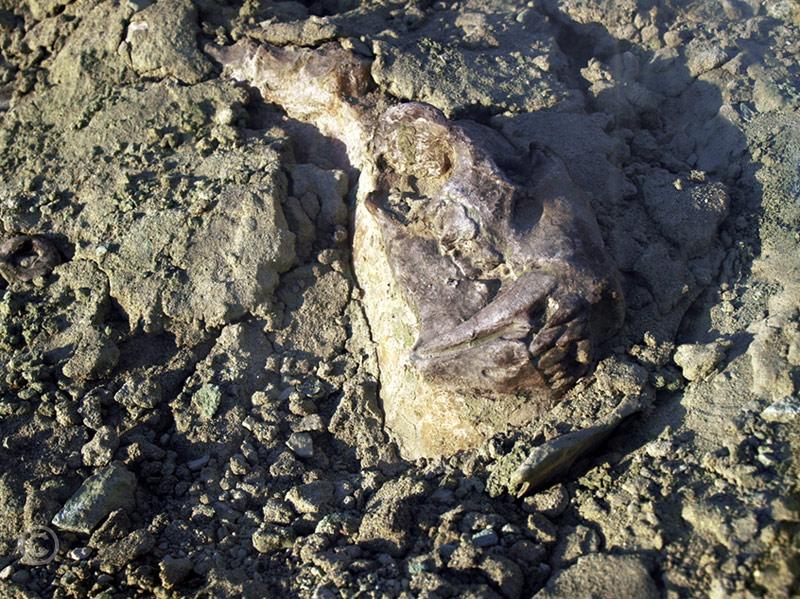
(190,368)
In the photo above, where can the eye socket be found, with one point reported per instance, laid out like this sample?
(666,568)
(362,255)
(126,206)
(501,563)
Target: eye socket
(420,153)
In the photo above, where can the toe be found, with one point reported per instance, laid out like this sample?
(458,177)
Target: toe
(545,339)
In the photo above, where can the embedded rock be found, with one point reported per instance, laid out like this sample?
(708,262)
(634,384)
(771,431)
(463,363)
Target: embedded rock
(95,355)
(699,360)
(775,349)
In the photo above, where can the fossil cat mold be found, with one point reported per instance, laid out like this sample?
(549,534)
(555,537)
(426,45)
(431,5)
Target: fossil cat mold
(486,282)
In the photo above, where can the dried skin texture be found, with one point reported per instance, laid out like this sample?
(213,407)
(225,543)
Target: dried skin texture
(25,257)
(498,255)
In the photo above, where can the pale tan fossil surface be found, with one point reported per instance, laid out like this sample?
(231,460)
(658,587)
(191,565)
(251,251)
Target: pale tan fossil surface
(399,299)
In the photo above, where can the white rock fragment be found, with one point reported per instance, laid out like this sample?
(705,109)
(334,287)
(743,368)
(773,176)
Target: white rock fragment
(301,444)
(698,360)
(783,410)
(80,553)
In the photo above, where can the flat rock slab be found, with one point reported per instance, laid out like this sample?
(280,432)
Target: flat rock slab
(599,575)
(110,489)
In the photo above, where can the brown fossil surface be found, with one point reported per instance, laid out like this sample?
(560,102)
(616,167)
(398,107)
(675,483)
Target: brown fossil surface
(486,282)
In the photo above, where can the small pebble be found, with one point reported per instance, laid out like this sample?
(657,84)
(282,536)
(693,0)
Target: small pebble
(80,553)
(198,463)
(301,444)
(485,538)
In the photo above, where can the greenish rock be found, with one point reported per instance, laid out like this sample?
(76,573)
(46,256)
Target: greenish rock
(110,489)
(270,538)
(206,400)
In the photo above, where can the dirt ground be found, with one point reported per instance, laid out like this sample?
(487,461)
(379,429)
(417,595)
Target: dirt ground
(190,371)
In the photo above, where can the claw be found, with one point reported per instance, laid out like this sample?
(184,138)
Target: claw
(523,490)
(551,358)
(505,312)
(566,308)
(563,384)
(554,458)
(552,370)
(575,331)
